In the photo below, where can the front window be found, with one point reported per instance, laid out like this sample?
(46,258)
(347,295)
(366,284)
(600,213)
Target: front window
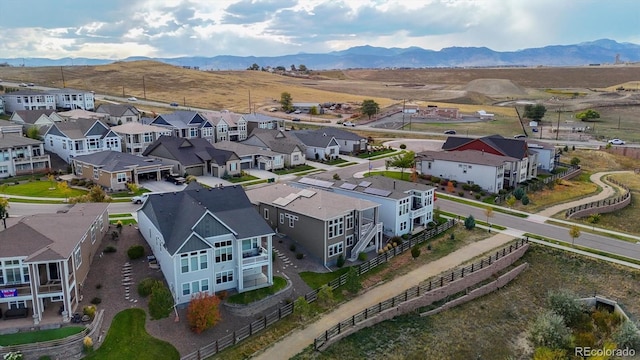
(193,132)
(349,220)
(336,249)
(194,261)
(77,256)
(336,227)
(223,251)
(96,174)
(122,178)
(224,277)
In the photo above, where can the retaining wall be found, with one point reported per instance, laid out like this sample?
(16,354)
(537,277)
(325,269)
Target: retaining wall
(260,306)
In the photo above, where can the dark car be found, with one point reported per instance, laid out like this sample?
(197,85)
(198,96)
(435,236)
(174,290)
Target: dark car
(176,179)
(450,132)
(296,119)
(174,104)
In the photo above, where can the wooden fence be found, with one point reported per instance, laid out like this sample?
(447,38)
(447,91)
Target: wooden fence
(602,206)
(286,310)
(413,293)
(572,171)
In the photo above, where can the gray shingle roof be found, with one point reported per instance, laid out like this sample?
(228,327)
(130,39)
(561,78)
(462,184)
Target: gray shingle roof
(175,214)
(277,140)
(116,109)
(113,161)
(189,151)
(31,116)
(179,119)
(467,156)
(10,140)
(313,139)
(339,134)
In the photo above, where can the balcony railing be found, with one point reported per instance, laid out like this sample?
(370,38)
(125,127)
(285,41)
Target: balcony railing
(23,289)
(255,256)
(30,159)
(419,212)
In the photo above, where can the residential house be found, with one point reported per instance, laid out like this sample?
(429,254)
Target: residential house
(28,100)
(470,166)
(279,141)
(119,114)
(7,127)
(79,137)
(73,99)
(45,259)
(186,124)
(21,155)
(76,114)
(113,170)
(260,121)
(207,240)
(547,154)
(318,146)
(37,118)
(348,142)
(136,137)
(405,207)
(228,125)
(194,156)
(305,107)
(253,156)
(524,169)
(327,224)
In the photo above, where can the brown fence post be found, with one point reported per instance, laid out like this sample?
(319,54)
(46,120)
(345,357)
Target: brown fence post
(472,266)
(198,354)
(462,273)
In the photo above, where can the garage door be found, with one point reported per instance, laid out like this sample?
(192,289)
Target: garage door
(245,165)
(197,171)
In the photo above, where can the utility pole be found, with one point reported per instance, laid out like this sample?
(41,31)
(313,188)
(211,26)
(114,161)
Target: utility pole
(558,127)
(62,72)
(618,122)
(403,105)
(123,91)
(144,88)
(254,111)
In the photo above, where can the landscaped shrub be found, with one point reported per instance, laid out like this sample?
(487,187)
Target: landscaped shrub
(444,182)
(353,282)
(549,330)
(340,261)
(292,247)
(87,344)
(109,249)
(478,196)
(525,200)
(518,193)
(96,300)
(435,179)
(575,161)
(403,146)
(362,256)
(415,251)
(299,256)
(429,247)
(404,237)
(135,252)
(565,304)
(395,240)
(452,236)
(325,296)
(476,187)
(469,223)
(461,193)
(98,286)
(336,177)
(90,311)
(627,336)
(146,286)
(466,187)
(160,302)
(203,312)
(565,148)
(302,309)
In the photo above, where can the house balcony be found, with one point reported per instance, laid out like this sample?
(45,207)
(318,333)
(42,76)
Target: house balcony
(23,290)
(254,257)
(50,287)
(31,159)
(418,212)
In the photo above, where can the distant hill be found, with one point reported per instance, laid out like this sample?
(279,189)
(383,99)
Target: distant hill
(597,52)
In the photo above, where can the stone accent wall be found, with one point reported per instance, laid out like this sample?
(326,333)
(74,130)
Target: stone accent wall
(260,306)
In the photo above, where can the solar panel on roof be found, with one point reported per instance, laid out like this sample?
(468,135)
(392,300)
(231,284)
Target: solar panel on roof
(316,182)
(379,192)
(306,193)
(348,186)
(364,184)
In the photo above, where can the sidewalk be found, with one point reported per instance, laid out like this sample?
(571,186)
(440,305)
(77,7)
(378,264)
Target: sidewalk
(296,341)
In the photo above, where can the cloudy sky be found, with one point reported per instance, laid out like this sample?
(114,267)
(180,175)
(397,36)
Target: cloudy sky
(116,29)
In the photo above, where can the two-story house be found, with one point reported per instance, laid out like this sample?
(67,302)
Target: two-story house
(136,137)
(79,137)
(119,114)
(405,207)
(28,100)
(186,124)
(278,141)
(37,118)
(21,155)
(194,157)
(253,156)
(327,224)
(113,169)
(261,121)
(229,126)
(73,99)
(526,168)
(207,240)
(45,259)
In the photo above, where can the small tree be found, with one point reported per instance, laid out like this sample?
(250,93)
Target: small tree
(286,101)
(353,283)
(588,115)
(534,112)
(525,200)
(97,194)
(160,302)
(302,309)
(415,251)
(518,193)
(549,330)
(627,336)
(203,312)
(564,303)
(313,110)
(63,187)
(574,232)
(133,187)
(488,212)
(4,214)
(325,296)
(594,218)
(33,133)
(370,108)
(404,160)
(575,161)
(470,223)
(135,252)
(510,201)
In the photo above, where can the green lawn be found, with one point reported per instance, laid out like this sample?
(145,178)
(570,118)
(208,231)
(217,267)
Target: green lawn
(238,179)
(114,216)
(123,221)
(39,189)
(259,294)
(316,280)
(296,169)
(126,194)
(128,339)
(39,336)
(391,174)
(375,153)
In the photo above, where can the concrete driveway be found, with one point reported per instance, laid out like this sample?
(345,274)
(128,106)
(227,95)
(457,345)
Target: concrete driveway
(161,186)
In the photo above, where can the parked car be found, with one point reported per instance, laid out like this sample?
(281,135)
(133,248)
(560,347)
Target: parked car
(273,109)
(520,136)
(348,123)
(22,85)
(140,198)
(176,179)
(132,98)
(297,112)
(450,132)
(31,84)
(616,142)
(296,119)
(174,104)
(534,129)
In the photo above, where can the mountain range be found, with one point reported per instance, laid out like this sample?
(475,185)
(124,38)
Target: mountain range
(603,51)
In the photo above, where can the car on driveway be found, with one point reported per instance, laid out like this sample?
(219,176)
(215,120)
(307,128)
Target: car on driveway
(176,179)
(132,99)
(450,132)
(140,198)
(616,142)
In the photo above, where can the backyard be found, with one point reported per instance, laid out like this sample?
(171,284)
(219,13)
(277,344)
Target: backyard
(40,188)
